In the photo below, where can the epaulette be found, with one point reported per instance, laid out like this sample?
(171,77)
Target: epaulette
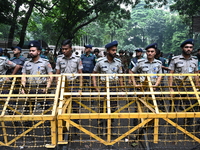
(45,59)
(117,59)
(141,60)
(195,57)
(159,61)
(100,59)
(175,57)
(60,55)
(3,58)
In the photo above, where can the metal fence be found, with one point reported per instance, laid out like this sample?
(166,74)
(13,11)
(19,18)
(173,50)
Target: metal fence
(112,114)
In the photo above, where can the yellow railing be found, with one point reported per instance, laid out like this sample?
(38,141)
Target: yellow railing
(118,112)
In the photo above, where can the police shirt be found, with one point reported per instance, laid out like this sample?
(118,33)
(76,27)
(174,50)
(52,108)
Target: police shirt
(181,65)
(69,65)
(146,67)
(5,64)
(105,67)
(41,66)
(19,61)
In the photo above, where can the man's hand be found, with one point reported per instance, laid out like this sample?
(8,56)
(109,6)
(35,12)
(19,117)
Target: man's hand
(171,90)
(22,91)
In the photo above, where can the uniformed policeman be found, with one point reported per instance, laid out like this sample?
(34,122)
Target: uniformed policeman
(68,62)
(6,64)
(36,65)
(88,59)
(184,63)
(18,58)
(108,64)
(134,60)
(149,66)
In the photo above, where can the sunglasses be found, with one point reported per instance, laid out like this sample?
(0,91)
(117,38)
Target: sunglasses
(188,47)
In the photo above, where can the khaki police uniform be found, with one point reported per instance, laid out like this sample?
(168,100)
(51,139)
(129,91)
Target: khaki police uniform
(5,64)
(105,67)
(181,65)
(69,65)
(41,66)
(145,67)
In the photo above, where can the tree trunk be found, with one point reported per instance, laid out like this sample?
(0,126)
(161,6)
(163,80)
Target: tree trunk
(14,23)
(25,23)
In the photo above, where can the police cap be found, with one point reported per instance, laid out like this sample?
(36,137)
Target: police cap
(88,46)
(139,50)
(19,48)
(35,44)
(154,45)
(188,41)
(109,45)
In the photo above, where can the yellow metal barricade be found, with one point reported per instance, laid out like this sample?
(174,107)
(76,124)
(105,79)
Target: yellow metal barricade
(126,116)
(28,120)
(114,113)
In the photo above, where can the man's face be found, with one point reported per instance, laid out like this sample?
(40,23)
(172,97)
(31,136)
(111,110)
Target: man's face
(66,50)
(138,53)
(96,53)
(16,51)
(120,54)
(151,52)
(34,52)
(88,50)
(112,51)
(187,49)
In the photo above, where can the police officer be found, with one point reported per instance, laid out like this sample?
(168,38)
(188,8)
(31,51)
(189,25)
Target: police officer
(6,64)
(88,60)
(36,65)
(134,60)
(150,65)
(68,62)
(108,65)
(184,63)
(18,58)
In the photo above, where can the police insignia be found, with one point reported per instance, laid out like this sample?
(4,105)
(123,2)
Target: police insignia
(31,44)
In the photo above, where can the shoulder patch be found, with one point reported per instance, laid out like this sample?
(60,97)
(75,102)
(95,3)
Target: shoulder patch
(195,57)
(141,60)
(175,57)
(100,59)
(45,59)
(117,59)
(3,58)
